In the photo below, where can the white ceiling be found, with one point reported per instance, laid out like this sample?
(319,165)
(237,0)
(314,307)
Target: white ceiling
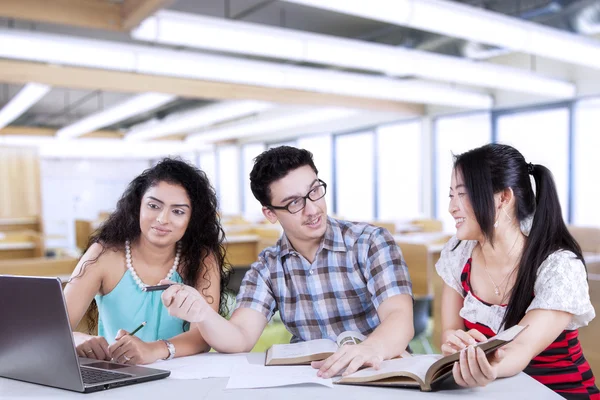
(61,106)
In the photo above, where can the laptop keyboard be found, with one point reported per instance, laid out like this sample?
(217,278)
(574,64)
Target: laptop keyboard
(91,375)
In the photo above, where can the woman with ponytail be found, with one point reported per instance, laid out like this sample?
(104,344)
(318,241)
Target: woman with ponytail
(513,261)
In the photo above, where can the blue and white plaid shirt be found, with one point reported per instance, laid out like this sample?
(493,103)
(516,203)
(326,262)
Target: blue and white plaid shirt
(356,268)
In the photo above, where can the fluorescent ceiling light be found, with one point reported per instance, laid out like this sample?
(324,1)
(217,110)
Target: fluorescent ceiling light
(194,119)
(96,147)
(131,107)
(472,23)
(182,29)
(177,63)
(271,123)
(30,94)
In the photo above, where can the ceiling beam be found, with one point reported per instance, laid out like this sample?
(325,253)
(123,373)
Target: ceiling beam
(49,132)
(19,72)
(95,14)
(82,13)
(133,12)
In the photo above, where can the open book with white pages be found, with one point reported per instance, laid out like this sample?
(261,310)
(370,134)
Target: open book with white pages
(422,371)
(303,353)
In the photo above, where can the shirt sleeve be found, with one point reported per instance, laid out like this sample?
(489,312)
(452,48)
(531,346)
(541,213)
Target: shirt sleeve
(256,292)
(562,285)
(449,267)
(386,272)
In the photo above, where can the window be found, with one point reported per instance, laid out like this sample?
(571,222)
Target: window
(252,208)
(228,159)
(399,171)
(586,164)
(543,138)
(320,147)
(354,187)
(208,163)
(455,135)
(81,189)
(291,143)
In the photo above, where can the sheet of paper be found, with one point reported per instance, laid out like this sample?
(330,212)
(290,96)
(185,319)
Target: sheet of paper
(201,366)
(303,348)
(258,376)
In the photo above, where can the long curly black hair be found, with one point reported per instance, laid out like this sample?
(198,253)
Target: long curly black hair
(203,237)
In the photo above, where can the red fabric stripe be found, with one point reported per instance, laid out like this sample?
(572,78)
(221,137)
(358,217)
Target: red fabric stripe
(553,365)
(562,378)
(481,328)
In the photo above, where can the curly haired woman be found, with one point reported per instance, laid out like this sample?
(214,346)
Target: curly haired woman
(165,226)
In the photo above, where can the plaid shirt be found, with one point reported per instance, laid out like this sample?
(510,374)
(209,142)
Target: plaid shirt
(356,268)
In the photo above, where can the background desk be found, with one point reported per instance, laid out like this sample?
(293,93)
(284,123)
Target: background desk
(518,387)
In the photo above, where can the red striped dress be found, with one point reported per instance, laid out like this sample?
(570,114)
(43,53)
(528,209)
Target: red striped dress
(562,366)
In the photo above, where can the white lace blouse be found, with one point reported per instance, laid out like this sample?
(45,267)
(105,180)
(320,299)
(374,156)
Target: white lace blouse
(561,285)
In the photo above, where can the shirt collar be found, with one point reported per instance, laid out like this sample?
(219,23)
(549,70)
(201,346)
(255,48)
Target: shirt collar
(333,239)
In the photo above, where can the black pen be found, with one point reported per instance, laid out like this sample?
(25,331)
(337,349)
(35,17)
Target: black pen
(156,287)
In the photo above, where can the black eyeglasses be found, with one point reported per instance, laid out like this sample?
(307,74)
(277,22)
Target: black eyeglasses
(299,203)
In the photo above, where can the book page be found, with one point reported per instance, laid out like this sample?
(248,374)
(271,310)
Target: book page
(296,350)
(258,376)
(416,365)
(350,337)
(508,334)
(201,366)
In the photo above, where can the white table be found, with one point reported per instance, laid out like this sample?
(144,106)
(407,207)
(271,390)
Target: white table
(519,387)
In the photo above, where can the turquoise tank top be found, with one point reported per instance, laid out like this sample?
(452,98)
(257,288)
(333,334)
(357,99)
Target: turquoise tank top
(126,307)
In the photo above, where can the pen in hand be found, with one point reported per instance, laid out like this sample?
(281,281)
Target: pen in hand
(138,328)
(130,334)
(156,287)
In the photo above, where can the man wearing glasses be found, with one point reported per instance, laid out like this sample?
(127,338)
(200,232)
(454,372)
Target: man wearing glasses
(324,276)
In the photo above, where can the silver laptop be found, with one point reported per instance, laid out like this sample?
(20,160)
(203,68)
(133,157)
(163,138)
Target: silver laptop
(36,342)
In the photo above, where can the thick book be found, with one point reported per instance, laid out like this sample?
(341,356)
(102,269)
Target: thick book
(422,371)
(304,353)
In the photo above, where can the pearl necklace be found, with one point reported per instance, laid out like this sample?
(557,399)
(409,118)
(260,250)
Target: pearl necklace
(135,276)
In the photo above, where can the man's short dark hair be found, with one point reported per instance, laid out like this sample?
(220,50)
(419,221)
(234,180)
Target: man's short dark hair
(274,164)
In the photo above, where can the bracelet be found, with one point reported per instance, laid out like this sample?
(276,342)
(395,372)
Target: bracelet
(171,349)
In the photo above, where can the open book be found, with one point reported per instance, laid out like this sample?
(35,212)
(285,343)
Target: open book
(312,350)
(422,371)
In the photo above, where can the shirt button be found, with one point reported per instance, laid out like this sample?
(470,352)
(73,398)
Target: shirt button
(310,272)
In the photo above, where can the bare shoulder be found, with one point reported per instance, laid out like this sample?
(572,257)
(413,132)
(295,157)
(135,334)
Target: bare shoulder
(99,260)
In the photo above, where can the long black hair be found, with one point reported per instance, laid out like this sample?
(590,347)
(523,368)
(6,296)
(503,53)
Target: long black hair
(202,240)
(490,169)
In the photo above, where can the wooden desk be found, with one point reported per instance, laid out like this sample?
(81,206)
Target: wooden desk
(20,244)
(11,251)
(20,224)
(241,250)
(42,266)
(245,242)
(421,252)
